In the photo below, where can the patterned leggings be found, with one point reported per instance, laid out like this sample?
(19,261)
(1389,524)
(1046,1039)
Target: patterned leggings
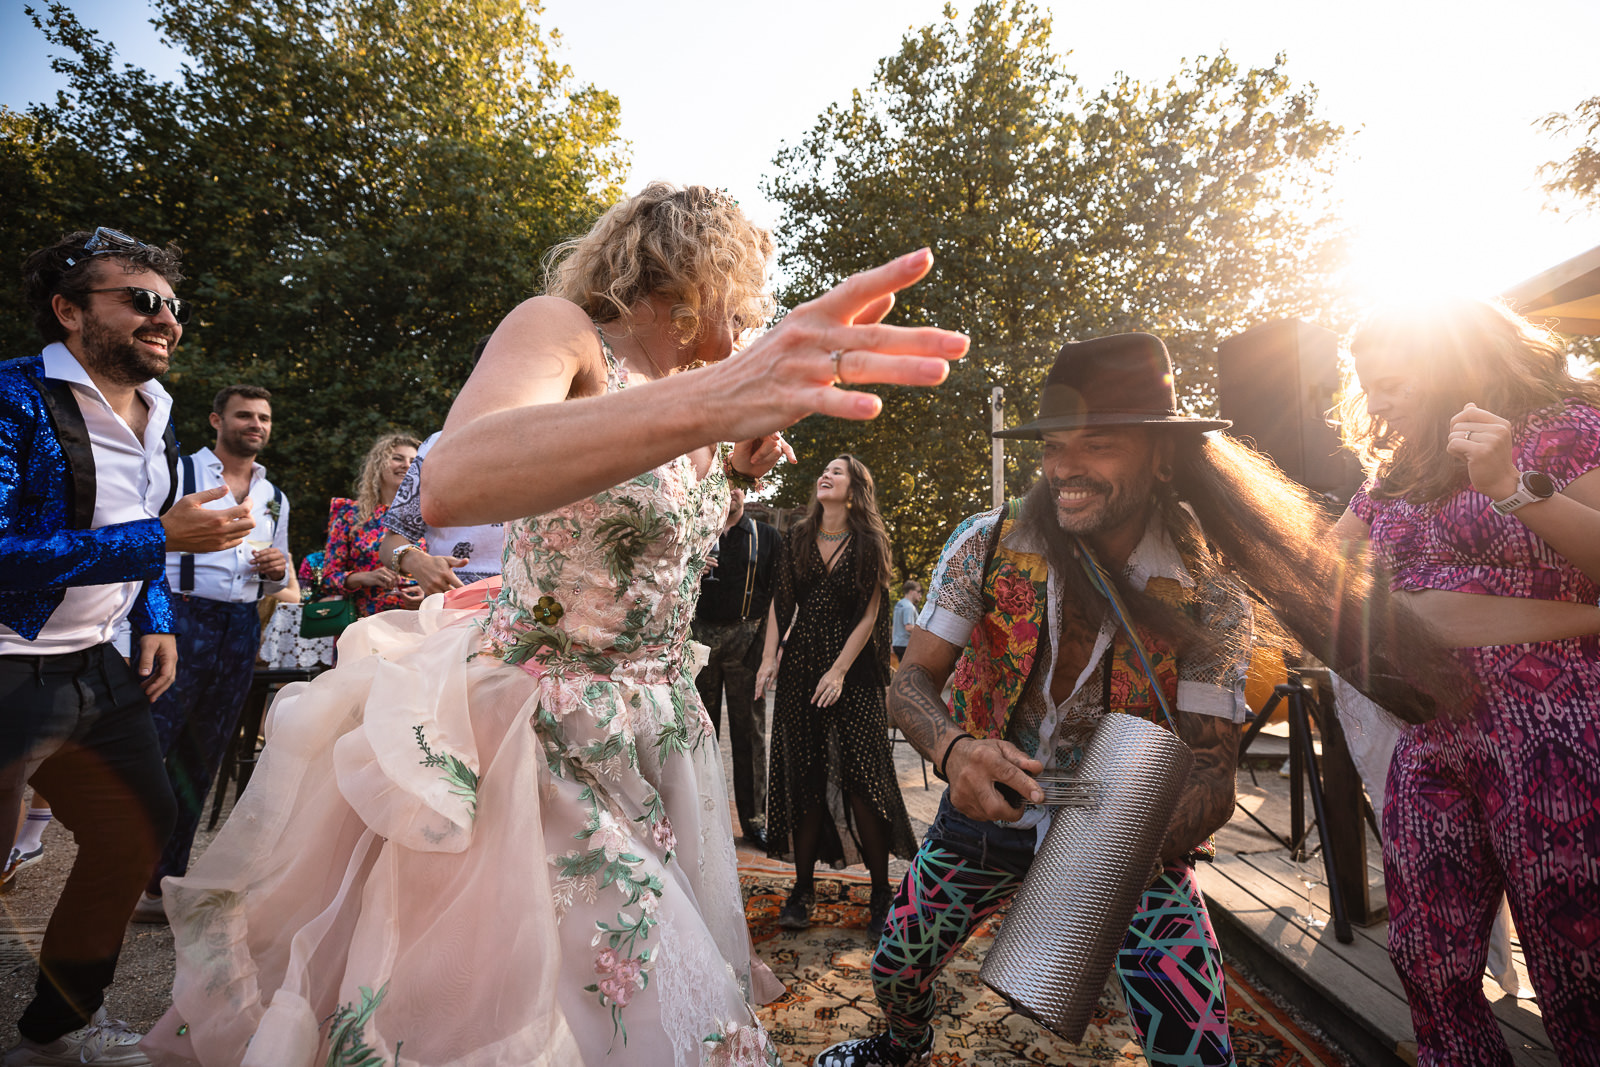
(1169,965)
(1508,800)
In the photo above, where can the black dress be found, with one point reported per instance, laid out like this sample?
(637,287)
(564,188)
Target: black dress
(823,756)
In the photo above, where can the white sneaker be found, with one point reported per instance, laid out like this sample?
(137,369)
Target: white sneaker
(149,910)
(105,1041)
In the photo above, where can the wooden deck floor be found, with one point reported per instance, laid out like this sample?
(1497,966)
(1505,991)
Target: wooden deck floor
(1257,901)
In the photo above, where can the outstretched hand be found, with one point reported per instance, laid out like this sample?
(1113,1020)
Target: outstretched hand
(837,339)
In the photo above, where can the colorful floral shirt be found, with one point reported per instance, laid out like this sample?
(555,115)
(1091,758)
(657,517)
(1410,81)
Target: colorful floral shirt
(353,546)
(1054,733)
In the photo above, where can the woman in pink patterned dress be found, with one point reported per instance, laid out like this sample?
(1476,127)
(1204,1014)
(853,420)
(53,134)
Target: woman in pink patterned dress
(1484,505)
(501,838)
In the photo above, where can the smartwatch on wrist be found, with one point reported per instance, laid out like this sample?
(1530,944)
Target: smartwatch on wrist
(1531,486)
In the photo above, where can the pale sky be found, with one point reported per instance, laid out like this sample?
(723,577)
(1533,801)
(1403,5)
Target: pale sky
(1442,176)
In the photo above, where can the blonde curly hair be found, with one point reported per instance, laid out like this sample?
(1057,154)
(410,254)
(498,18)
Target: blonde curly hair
(692,245)
(372,471)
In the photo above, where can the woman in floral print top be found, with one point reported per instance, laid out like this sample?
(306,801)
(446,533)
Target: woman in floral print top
(352,565)
(502,838)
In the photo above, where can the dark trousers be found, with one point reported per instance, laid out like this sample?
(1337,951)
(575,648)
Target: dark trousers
(196,719)
(80,720)
(728,672)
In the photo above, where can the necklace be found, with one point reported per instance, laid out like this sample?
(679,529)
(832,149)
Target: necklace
(645,352)
(832,535)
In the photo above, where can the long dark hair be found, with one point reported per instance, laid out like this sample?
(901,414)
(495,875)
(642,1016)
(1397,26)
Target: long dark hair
(1267,537)
(871,536)
(1459,351)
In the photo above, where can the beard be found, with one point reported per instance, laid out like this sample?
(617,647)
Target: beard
(1121,503)
(240,445)
(119,358)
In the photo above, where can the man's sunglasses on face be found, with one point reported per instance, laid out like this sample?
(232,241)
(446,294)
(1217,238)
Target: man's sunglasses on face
(148,302)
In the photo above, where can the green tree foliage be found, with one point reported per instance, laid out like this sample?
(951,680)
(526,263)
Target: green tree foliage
(1578,175)
(361,189)
(1192,209)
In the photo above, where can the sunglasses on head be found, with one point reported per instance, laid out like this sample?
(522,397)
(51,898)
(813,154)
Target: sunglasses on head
(106,241)
(148,302)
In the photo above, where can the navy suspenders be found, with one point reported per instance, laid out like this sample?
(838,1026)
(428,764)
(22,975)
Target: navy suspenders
(186,560)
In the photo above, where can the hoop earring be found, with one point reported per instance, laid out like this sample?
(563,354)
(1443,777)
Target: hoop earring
(1164,472)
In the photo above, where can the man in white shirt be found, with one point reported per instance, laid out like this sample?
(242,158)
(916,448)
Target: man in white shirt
(85,471)
(214,597)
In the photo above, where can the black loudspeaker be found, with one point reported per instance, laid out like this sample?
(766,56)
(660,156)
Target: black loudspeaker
(1277,382)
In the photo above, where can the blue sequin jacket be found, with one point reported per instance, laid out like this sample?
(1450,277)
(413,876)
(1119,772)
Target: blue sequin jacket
(47,492)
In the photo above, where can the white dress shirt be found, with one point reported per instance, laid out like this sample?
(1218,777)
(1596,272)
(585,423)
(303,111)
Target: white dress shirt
(230,575)
(131,483)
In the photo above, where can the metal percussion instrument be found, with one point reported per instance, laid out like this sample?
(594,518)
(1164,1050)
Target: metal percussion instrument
(1061,934)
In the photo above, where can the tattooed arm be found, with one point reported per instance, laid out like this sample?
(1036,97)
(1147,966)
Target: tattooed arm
(916,704)
(1207,801)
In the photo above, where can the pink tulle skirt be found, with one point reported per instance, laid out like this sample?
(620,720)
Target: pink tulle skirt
(389,881)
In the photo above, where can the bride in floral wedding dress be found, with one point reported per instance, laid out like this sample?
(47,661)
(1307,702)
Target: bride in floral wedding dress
(497,833)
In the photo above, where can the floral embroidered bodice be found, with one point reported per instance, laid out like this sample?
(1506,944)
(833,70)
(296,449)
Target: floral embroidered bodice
(595,602)
(607,586)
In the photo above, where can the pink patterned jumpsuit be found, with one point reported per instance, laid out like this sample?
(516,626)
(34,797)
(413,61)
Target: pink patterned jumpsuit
(1508,797)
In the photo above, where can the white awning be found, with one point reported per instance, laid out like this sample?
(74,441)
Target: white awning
(1565,298)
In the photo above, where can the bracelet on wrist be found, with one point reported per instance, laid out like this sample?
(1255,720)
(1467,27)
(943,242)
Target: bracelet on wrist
(394,557)
(740,480)
(944,760)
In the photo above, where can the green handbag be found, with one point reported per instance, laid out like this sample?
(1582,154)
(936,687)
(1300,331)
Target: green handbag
(326,618)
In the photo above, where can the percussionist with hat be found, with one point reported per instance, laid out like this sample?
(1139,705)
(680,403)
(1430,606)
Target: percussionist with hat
(1134,494)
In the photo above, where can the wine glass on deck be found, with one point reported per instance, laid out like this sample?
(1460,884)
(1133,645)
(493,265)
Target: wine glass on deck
(1308,872)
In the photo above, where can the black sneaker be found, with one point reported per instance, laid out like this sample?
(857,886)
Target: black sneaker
(878,910)
(878,1051)
(796,911)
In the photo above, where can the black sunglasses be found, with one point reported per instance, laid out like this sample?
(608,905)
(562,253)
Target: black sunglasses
(148,302)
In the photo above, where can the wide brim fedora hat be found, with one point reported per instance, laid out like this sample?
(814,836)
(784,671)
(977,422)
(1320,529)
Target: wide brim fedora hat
(1121,380)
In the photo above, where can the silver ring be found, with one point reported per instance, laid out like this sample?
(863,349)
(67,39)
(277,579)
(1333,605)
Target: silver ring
(1469,435)
(836,355)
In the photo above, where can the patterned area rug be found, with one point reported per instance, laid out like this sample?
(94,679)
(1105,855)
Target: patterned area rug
(826,970)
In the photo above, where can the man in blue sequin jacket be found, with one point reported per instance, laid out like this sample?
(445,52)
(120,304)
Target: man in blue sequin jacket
(87,516)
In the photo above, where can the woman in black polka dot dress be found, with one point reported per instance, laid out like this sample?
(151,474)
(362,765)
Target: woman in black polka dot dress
(832,791)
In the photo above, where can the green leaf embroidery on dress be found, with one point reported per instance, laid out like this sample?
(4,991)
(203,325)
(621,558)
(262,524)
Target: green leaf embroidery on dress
(674,737)
(463,779)
(625,537)
(347,1042)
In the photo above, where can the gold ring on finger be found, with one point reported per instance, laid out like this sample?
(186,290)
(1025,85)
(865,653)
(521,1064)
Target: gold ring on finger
(836,355)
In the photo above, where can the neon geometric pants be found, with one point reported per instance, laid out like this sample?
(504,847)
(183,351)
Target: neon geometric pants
(1169,965)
